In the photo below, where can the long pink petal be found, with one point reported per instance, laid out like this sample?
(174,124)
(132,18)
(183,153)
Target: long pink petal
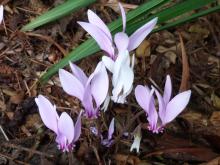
(140,34)
(80,75)
(88,102)
(94,19)
(176,106)
(167,90)
(123,15)
(66,127)
(121,41)
(77,127)
(47,112)
(111,129)
(101,38)
(71,84)
(1,13)
(152,113)
(100,84)
(142,95)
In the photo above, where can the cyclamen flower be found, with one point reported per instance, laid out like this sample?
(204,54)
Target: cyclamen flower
(91,91)
(137,139)
(1,13)
(62,126)
(108,142)
(100,32)
(123,75)
(169,108)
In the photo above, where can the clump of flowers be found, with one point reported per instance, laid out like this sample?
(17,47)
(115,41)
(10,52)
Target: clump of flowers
(117,60)
(91,91)
(62,126)
(169,108)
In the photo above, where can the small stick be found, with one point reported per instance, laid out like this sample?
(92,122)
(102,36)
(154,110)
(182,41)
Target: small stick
(4,134)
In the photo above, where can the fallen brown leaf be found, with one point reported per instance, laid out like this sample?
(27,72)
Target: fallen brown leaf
(185,68)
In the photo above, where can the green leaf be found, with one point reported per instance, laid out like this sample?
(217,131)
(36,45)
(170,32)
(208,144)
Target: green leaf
(62,10)
(171,12)
(187,19)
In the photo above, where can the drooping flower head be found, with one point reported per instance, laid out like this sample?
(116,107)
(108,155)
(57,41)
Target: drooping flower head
(62,126)
(1,13)
(100,32)
(91,91)
(169,108)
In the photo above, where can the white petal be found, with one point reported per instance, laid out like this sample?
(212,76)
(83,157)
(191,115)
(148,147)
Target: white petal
(108,62)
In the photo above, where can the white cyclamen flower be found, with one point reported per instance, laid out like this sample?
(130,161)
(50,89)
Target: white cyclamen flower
(123,75)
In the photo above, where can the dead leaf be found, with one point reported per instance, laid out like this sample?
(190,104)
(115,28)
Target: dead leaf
(171,56)
(17,98)
(196,28)
(215,100)
(185,68)
(215,161)
(143,50)
(126,159)
(163,49)
(215,119)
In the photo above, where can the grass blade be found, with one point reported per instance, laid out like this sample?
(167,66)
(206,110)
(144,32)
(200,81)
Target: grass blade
(62,10)
(171,12)
(187,19)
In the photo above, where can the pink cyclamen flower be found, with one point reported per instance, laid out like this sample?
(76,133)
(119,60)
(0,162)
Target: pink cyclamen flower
(108,141)
(63,126)
(1,13)
(100,32)
(169,108)
(91,91)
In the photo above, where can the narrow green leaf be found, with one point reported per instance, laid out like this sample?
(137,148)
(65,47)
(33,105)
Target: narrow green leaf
(62,10)
(187,19)
(90,47)
(171,12)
